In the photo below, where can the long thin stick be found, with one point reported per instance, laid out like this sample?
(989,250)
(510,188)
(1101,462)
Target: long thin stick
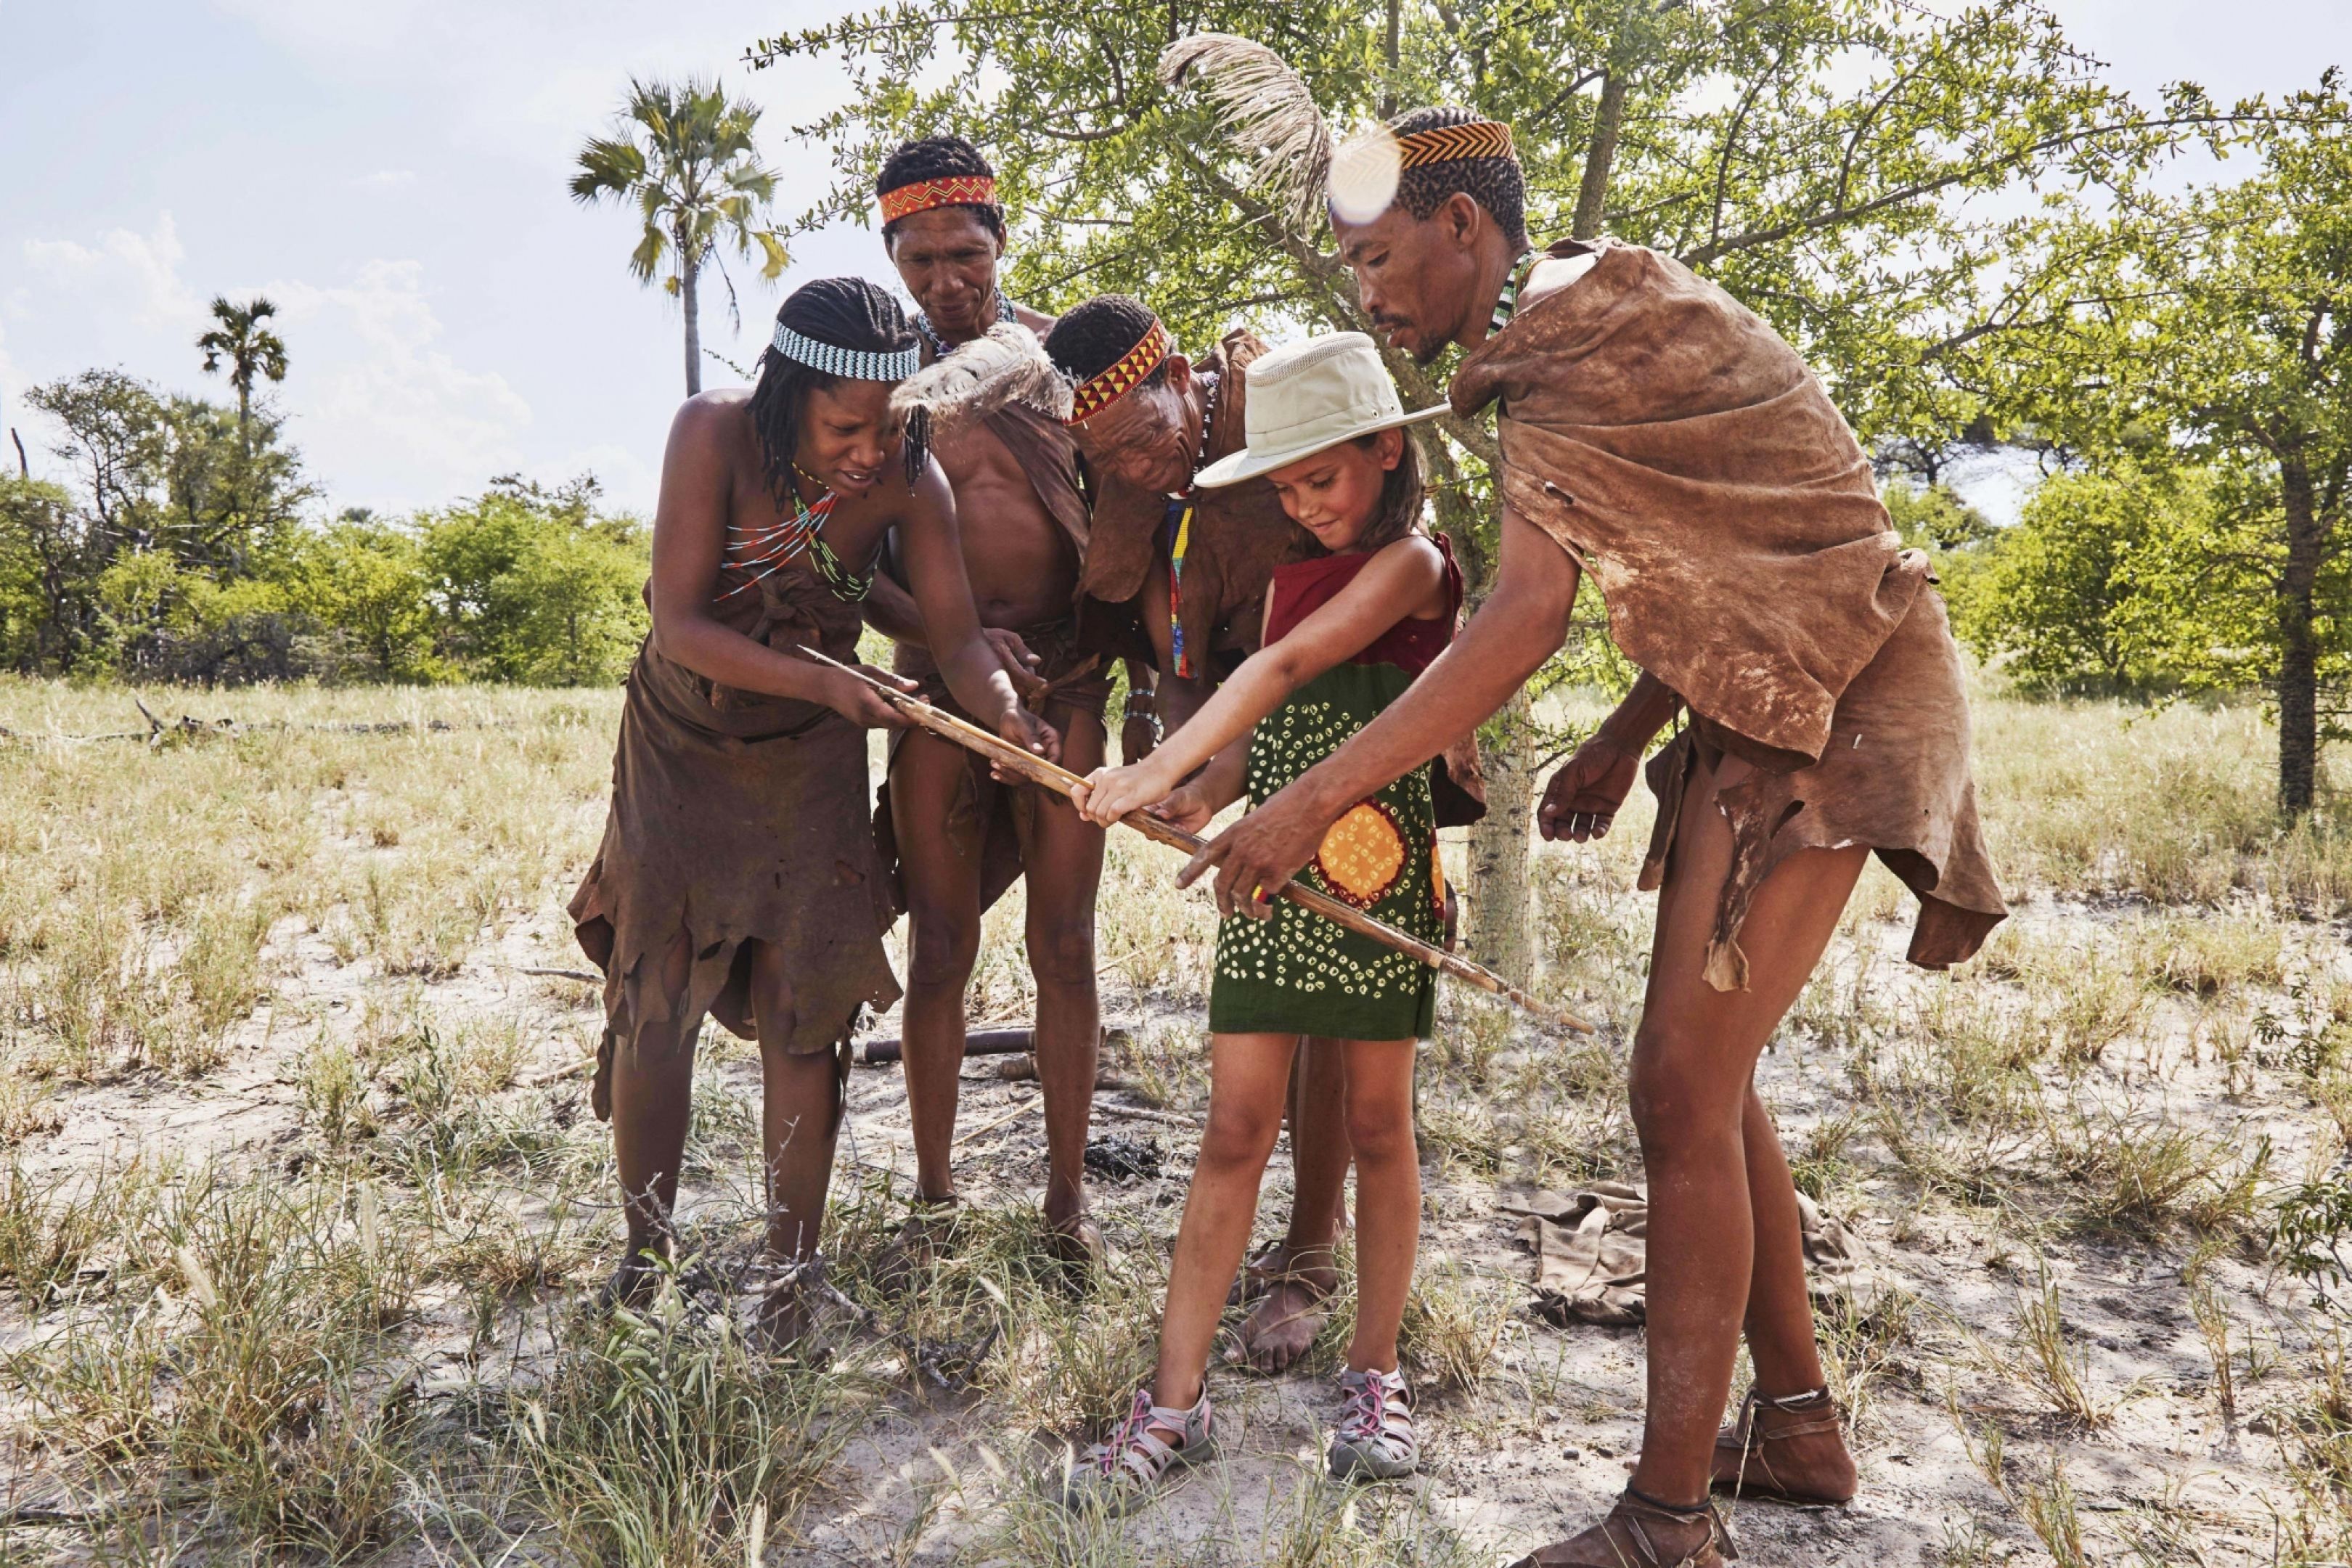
(1060,780)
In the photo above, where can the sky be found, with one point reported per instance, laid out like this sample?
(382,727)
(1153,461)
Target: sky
(393,175)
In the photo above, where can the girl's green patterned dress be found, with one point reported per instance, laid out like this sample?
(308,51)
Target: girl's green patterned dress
(1298,973)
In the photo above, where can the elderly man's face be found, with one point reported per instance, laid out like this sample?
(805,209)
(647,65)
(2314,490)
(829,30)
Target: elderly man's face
(1150,437)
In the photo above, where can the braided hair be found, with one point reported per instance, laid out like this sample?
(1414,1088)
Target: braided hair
(1494,183)
(938,158)
(1091,338)
(848,313)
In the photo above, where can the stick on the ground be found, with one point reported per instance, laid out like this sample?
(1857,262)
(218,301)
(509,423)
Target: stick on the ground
(1060,780)
(976,1043)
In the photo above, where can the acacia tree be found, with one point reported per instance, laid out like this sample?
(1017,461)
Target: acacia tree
(1835,164)
(683,155)
(2219,343)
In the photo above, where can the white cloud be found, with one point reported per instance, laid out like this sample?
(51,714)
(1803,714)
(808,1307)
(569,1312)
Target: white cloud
(126,270)
(385,180)
(389,407)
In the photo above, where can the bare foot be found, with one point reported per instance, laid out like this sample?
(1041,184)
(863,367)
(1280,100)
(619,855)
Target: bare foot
(1787,1450)
(905,1261)
(1288,1317)
(791,1302)
(1077,1241)
(637,1276)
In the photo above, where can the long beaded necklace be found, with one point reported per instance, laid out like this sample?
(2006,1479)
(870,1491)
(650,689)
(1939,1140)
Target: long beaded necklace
(1179,522)
(761,551)
(939,347)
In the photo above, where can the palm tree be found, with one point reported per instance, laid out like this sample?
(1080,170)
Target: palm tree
(250,348)
(683,154)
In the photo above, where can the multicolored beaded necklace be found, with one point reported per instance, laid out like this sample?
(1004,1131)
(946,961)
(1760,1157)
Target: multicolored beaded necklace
(761,551)
(940,349)
(1179,521)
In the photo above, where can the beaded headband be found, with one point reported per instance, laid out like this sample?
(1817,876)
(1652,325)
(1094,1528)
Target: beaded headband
(1099,391)
(857,365)
(949,191)
(1448,143)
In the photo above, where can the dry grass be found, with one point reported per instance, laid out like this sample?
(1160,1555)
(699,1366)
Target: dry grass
(350,1328)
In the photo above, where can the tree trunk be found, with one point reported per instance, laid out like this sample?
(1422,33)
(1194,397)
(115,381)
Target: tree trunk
(1593,189)
(1500,933)
(1495,890)
(689,297)
(2298,676)
(1391,51)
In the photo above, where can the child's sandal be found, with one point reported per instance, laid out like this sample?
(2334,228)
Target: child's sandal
(1375,1439)
(1116,1476)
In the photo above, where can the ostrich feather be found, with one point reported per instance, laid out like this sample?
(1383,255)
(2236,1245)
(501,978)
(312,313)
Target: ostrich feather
(1008,365)
(1265,107)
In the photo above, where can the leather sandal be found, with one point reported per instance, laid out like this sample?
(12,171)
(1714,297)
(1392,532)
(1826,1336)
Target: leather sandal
(1748,1465)
(1269,1262)
(1289,1303)
(1639,1534)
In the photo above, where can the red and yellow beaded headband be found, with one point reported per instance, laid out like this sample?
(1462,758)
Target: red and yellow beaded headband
(1448,143)
(948,191)
(1105,387)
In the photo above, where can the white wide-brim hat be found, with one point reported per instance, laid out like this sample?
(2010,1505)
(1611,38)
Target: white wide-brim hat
(1307,397)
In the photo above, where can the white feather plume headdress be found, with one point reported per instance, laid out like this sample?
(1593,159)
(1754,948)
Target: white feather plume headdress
(1008,365)
(1265,107)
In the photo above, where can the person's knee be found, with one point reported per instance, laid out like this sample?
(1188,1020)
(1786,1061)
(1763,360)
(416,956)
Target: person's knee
(942,947)
(1379,1129)
(1677,1095)
(658,1052)
(1062,949)
(1239,1137)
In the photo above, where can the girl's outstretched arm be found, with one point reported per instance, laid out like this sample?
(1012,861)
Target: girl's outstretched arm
(1401,580)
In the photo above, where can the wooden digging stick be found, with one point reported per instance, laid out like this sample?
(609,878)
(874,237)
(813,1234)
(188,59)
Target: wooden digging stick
(1060,780)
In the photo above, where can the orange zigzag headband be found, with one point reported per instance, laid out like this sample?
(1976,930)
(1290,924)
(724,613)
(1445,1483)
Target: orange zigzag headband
(952,191)
(1448,143)
(1099,391)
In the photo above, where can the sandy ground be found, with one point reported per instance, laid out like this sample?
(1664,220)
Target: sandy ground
(1538,1446)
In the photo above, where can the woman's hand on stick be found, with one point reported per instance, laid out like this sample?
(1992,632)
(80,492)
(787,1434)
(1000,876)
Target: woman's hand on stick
(861,704)
(1185,807)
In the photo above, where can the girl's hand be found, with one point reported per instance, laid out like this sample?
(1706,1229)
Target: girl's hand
(1108,794)
(1185,807)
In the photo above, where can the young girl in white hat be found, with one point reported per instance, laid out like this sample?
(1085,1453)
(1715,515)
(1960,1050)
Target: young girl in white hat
(1345,635)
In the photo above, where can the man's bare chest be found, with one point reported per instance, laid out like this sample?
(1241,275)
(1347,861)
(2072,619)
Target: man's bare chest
(992,490)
